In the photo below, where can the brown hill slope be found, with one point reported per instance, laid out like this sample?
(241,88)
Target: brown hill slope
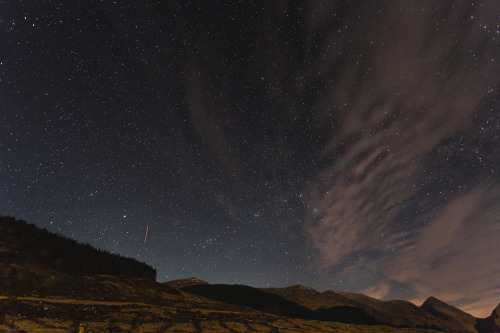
(273,304)
(46,291)
(396,313)
(449,313)
(306,296)
(43,289)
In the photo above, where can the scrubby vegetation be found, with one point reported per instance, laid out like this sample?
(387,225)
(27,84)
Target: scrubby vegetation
(23,241)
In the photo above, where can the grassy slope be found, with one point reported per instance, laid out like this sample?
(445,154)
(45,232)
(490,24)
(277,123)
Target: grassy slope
(48,299)
(394,313)
(67,314)
(35,295)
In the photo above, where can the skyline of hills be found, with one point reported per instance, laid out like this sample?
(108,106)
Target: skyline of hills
(37,264)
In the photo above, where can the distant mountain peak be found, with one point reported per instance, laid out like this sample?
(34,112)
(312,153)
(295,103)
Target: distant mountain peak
(193,279)
(182,283)
(439,308)
(433,301)
(300,286)
(448,312)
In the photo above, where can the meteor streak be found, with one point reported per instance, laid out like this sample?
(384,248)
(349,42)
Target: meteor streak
(145,238)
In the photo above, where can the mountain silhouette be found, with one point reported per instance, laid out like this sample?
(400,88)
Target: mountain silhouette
(50,282)
(433,314)
(274,304)
(393,313)
(452,316)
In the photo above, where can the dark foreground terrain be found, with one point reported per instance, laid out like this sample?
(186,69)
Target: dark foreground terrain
(52,284)
(65,315)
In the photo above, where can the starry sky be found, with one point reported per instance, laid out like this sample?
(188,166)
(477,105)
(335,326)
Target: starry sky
(341,145)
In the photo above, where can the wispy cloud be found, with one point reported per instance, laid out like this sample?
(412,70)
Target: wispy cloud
(453,256)
(421,87)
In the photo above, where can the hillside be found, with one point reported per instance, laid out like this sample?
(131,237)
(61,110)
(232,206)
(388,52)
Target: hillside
(271,303)
(306,296)
(432,314)
(447,312)
(23,242)
(49,282)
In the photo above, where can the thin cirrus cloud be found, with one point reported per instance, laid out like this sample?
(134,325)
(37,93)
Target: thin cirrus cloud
(424,87)
(452,257)
(457,249)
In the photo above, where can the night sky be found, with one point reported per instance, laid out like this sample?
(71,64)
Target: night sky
(341,145)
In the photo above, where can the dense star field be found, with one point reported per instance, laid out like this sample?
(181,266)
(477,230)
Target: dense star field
(340,145)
